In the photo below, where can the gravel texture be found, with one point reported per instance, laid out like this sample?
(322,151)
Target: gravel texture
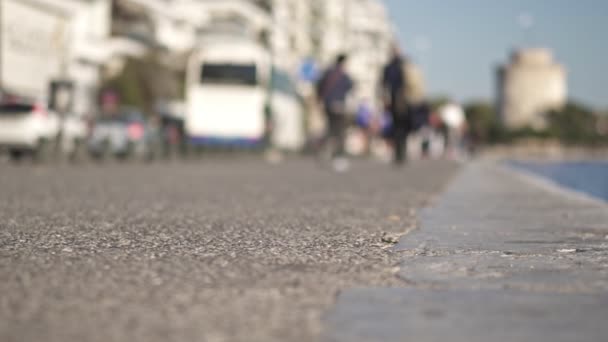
(229,250)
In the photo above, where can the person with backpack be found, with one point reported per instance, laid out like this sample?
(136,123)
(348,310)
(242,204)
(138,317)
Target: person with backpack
(332,90)
(402,91)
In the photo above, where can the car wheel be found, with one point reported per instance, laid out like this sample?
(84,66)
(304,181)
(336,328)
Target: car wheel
(129,152)
(155,151)
(100,152)
(16,155)
(78,153)
(167,151)
(45,151)
(191,151)
(183,150)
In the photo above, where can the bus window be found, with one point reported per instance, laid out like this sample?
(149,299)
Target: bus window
(231,74)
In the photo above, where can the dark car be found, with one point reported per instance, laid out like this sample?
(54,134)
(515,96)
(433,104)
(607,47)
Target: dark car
(124,135)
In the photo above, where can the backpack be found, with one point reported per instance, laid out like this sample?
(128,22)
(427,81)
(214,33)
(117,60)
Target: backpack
(412,93)
(413,90)
(328,82)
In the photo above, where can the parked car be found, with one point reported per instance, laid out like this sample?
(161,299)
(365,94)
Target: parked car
(31,129)
(125,135)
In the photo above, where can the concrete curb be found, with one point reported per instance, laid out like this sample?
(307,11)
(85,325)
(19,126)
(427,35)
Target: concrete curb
(513,251)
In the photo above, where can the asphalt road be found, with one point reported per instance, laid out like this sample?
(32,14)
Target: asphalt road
(208,251)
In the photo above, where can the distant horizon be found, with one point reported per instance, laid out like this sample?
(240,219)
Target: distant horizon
(460,53)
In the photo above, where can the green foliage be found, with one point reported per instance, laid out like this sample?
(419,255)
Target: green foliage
(575,124)
(483,123)
(128,86)
(146,80)
(438,101)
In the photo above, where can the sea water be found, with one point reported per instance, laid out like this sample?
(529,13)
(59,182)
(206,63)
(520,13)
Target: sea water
(590,177)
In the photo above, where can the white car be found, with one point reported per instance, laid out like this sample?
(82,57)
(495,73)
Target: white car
(30,129)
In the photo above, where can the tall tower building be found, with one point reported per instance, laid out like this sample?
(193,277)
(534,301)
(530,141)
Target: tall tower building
(529,86)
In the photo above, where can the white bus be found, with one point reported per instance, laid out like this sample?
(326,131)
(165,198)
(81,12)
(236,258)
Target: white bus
(236,98)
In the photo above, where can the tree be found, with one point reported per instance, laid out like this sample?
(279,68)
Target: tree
(438,101)
(484,127)
(575,124)
(145,81)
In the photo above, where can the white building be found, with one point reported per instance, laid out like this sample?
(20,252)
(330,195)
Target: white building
(291,32)
(281,25)
(90,32)
(369,39)
(242,18)
(59,40)
(34,51)
(330,28)
(529,86)
(360,28)
(98,34)
(302,27)
(175,24)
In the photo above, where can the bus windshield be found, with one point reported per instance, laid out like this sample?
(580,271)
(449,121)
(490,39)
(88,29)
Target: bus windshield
(231,74)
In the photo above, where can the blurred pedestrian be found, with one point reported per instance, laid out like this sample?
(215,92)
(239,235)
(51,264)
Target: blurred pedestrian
(332,91)
(421,128)
(402,92)
(366,123)
(452,114)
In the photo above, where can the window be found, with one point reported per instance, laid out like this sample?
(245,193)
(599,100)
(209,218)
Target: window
(13,108)
(230,74)
(282,83)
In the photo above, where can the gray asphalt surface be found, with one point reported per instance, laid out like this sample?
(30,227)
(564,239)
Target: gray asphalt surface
(210,251)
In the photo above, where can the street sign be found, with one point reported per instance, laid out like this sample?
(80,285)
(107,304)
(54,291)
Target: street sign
(309,71)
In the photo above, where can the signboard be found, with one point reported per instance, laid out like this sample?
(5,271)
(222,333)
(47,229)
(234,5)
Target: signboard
(309,71)
(33,46)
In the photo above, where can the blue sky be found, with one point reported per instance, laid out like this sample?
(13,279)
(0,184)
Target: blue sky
(459,43)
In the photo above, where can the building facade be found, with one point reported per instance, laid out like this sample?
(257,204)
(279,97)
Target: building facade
(291,26)
(90,32)
(363,30)
(61,40)
(529,86)
(98,35)
(370,36)
(243,18)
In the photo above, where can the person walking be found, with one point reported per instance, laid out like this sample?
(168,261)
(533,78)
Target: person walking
(332,90)
(402,91)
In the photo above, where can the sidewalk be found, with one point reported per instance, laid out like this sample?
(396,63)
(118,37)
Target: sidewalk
(500,257)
